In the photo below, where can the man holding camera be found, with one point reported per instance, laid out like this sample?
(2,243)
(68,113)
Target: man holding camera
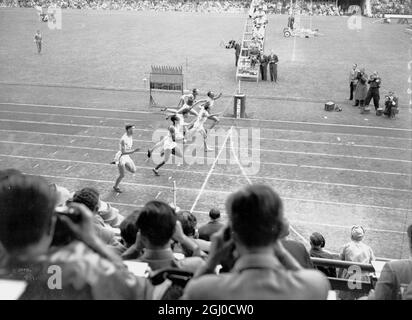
(391,105)
(373,92)
(262,268)
(83,269)
(361,88)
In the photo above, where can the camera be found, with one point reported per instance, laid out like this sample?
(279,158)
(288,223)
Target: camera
(62,233)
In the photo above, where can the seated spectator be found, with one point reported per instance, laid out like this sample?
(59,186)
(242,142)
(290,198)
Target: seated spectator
(158,225)
(189,222)
(295,248)
(356,251)
(90,198)
(7,173)
(128,229)
(214,225)
(62,194)
(264,269)
(317,244)
(395,277)
(26,232)
(109,214)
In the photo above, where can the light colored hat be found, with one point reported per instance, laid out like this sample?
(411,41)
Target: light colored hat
(357,233)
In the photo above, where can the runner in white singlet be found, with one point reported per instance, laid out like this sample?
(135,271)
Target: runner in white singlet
(198,125)
(170,147)
(122,157)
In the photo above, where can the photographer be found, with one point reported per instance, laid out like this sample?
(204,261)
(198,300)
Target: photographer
(264,269)
(391,105)
(361,88)
(83,269)
(373,92)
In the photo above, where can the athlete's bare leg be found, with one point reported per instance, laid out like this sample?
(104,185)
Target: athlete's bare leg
(167,154)
(215,121)
(119,178)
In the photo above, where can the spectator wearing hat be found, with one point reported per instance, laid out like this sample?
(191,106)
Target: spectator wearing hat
(395,277)
(317,244)
(212,226)
(264,270)
(356,251)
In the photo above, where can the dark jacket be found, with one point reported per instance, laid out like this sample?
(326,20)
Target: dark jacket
(299,252)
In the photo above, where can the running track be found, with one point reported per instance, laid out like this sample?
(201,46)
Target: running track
(328,184)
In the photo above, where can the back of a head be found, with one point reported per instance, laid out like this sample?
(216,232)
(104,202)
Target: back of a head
(157,222)
(214,214)
(7,173)
(26,209)
(256,215)
(89,197)
(188,221)
(317,240)
(128,228)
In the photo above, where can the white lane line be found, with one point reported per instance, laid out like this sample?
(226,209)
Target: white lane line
(246,119)
(328,225)
(250,183)
(226,192)
(223,214)
(222,126)
(269,139)
(279,164)
(272,150)
(67,124)
(210,171)
(73,116)
(216,173)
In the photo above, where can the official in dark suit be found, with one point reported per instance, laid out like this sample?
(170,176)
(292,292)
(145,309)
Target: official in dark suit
(373,92)
(273,66)
(237,52)
(263,66)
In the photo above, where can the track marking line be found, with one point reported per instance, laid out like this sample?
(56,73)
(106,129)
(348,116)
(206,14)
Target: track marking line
(223,126)
(250,183)
(245,119)
(269,139)
(224,215)
(223,192)
(211,170)
(284,164)
(272,150)
(216,173)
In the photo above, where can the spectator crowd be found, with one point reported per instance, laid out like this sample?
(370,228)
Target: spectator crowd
(157,253)
(380,7)
(323,8)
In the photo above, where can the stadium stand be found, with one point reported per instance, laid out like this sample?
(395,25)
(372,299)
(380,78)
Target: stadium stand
(324,8)
(148,231)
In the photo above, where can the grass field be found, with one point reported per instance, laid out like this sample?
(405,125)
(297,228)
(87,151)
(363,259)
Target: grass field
(61,115)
